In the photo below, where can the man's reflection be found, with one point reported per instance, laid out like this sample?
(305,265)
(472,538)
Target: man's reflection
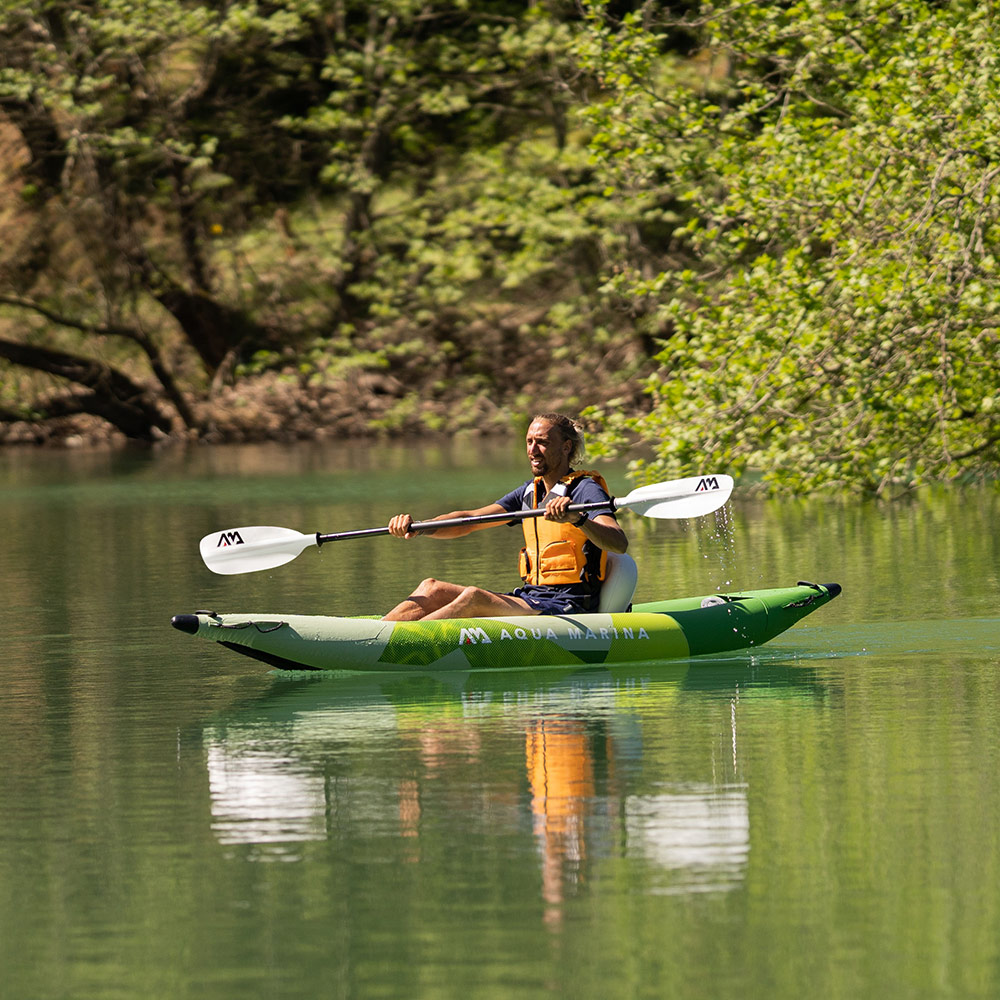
(561,776)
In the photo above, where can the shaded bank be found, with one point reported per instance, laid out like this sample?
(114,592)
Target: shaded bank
(273,408)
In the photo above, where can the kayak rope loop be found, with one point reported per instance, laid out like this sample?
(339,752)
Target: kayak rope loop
(809,599)
(805,602)
(260,628)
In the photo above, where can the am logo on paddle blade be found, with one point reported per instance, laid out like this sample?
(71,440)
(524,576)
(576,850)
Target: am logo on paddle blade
(707,483)
(229,538)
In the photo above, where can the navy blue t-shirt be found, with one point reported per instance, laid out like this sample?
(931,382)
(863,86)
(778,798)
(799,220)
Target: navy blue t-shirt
(573,598)
(584,491)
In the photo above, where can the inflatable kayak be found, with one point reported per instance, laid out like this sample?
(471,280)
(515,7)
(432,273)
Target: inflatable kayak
(662,630)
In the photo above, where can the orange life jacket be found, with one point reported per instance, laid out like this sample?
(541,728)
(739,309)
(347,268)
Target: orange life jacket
(557,553)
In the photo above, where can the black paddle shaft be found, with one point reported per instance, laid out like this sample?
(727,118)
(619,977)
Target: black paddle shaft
(455,522)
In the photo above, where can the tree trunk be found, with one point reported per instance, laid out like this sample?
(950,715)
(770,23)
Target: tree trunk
(113,395)
(211,328)
(44,144)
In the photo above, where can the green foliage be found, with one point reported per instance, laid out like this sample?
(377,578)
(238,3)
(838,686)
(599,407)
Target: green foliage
(755,236)
(250,178)
(837,325)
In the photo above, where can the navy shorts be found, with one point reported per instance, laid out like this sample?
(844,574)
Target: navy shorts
(556,600)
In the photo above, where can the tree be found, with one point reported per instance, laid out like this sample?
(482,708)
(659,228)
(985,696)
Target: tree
(120,191)
(838,164)
(155,137)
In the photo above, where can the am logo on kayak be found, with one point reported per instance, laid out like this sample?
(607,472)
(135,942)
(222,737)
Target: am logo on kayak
(229,538)
(470,636)
(707,483)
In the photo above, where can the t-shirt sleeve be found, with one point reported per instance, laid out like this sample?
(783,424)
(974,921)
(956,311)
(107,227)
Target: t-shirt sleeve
(515,499)
(585,490)
(588,491)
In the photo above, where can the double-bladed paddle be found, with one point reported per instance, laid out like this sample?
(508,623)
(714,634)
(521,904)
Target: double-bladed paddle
(246,550)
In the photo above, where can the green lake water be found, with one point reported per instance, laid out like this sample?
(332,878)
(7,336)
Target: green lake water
(819,817)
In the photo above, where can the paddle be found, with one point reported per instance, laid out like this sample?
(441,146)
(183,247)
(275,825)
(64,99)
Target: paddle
(246,550)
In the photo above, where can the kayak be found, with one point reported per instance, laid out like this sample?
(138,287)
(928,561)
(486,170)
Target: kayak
(657,631)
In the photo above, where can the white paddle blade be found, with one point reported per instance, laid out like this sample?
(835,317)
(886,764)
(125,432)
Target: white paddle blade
(247,550)
(690,497)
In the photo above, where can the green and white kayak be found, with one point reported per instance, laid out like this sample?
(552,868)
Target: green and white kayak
(662,630)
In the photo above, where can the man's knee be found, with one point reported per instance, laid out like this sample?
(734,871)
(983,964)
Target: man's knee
(467,597)
(477,601)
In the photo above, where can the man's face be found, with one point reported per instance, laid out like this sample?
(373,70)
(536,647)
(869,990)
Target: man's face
(548,450)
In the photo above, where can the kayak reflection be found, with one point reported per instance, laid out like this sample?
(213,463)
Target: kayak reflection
(576,769)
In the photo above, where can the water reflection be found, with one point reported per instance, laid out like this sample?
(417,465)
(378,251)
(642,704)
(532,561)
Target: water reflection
(268,780)
(576,769)
(560,754)
(700,833)
(258,798)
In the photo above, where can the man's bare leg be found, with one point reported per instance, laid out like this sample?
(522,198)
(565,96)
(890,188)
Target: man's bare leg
(429,596)
(438,599)
(474,602)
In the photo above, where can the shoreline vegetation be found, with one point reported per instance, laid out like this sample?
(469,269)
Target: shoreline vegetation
(269,409)
(755,236)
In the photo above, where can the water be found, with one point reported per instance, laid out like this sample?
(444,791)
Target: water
(817,818)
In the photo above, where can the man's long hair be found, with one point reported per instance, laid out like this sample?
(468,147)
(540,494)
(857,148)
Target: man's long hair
(570,430)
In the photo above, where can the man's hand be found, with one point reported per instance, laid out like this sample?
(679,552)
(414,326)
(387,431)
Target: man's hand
(400,526)
(557,509)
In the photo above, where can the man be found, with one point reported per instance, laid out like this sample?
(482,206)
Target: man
(562,562)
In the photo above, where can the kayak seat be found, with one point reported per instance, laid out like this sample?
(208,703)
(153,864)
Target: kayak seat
(619,584)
